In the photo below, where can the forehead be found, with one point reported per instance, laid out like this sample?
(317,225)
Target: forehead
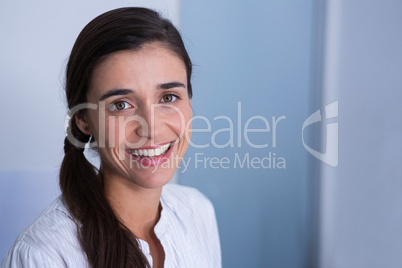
(140,69)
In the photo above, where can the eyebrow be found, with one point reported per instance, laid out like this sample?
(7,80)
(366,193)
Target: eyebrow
(171,85)
(115,92)
(120,92)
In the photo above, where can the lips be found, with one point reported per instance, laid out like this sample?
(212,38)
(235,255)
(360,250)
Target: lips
(154,156)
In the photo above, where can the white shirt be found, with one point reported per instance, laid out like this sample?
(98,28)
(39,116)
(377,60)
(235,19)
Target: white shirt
(187,230)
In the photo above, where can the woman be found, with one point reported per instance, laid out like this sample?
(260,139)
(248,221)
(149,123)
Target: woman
(128,89)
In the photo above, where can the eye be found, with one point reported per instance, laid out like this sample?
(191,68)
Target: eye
(119,106)
(169,98)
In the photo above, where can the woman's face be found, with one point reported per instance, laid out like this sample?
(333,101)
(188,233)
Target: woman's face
(143,118)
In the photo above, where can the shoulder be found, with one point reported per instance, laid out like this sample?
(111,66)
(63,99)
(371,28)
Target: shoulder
(24,255)
(55,224)
(52,239)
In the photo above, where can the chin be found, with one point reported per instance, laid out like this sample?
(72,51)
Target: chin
(154,178)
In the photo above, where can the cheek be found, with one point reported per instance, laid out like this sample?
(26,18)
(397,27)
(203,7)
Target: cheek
(180,121)
(112,139)
(111,131)
(106,132)
(188,130)
(188,118)
(121,132)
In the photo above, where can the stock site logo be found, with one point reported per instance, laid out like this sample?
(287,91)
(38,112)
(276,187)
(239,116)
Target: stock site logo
(330,156)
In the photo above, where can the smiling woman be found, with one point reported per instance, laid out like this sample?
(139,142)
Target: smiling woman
(154,93)
(131,65)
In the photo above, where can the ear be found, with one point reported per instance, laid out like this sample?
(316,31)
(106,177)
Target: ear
(82,123)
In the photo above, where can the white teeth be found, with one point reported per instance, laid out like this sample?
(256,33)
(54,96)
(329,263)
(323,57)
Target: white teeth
(151,152)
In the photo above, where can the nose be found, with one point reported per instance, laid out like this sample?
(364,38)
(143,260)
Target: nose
(150,125)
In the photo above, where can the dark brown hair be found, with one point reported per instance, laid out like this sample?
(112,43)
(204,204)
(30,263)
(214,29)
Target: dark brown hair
(104,239)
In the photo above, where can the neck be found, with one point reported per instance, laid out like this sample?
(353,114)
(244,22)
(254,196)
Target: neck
(136,207)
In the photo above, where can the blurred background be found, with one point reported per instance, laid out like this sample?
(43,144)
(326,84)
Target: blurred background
(261,69)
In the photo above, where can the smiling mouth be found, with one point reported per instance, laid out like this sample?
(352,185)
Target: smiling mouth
(151,153)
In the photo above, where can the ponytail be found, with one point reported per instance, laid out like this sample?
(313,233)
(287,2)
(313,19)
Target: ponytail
(106,242)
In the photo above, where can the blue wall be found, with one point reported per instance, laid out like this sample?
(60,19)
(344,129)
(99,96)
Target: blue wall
(258,53)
